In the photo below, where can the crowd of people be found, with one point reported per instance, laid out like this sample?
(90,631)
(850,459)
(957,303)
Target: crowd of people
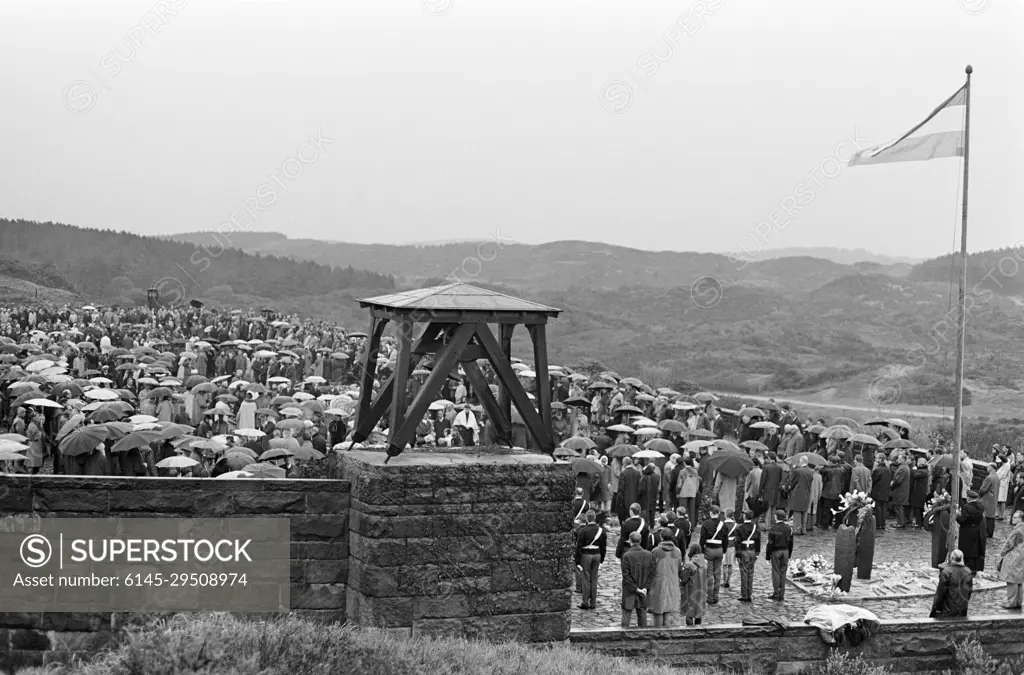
(190,391)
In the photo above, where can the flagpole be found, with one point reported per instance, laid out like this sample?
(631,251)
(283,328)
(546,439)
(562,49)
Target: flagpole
(958,412)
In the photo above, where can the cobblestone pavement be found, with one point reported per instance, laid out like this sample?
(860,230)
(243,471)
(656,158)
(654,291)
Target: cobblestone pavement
(911,545)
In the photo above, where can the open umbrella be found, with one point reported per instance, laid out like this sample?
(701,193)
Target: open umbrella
(599,386)
(204,387)
(631,409)
(673,426)
(896,422)
(159,393)
(623,451)
(648,432)
(117,430)
(695,446)
(142,419)
(135,440)
(815,429)
(174,430)
(730,463)
(16,438)
(83,441)
(643,422)
(306,453)
(723,444)
(813,459)
(588,466)
(754,445)
(701,433)
(102,395)
(69,426)
(265,471)
(846,421)
(564,453)
(764,425)
(704,397)
(11,456)
(234,461)
(276,453)
(621,428)
(580,443)
(662,445)
(648,454)
(284,443)
(43,403)
(578,402)
(877,421)
(865,439)
(231,475)
(748,411)
(897,443)
(176,462)
(839,431)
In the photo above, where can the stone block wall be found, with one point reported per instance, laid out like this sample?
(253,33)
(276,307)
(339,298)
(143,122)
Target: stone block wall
(470,545)
(318,511)
(906,646)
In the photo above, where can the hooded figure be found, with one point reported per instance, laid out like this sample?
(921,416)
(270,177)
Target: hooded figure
(247,411)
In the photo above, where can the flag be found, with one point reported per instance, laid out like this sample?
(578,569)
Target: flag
(924,141)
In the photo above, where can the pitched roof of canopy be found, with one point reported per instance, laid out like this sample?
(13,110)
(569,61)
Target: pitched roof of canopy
(457,297)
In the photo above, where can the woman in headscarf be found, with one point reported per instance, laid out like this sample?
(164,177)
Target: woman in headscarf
(604,491)
(1011,561)
(663,598)
(693,579)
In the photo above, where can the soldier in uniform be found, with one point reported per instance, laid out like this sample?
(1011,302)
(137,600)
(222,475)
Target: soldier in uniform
(591,541)
(778,551)
(714,543)
(635,523)
(748,547)
(730,547)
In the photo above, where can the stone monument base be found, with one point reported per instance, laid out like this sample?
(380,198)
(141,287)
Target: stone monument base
(473,545)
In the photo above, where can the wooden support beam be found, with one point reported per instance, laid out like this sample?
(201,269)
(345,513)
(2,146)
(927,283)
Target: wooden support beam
(540,366)
(404,430)
(502,427)
(503,368)
(380,405)
(403,364)
(505,339)
(369,371)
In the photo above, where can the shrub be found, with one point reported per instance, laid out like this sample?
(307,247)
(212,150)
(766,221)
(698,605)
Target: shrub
(971,659)
(841,663)
(225,645)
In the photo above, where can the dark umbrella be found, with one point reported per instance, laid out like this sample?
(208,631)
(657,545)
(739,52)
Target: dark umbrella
(83,441)
(897,443)
(578,443)
(234,461)
(173,430)
(73,390)
(672,426)
(117,430)
(701,433)
(564,453)
(101,415)
(160,392)
(747,411)
(813,459)
(729,463)
(632,409)
(135,440)
(578,402)
(623,451)
(662,445)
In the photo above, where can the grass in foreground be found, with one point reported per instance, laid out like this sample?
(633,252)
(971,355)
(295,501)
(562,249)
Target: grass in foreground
(225,645)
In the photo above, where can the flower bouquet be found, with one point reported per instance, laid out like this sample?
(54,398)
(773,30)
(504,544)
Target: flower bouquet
(831,591)
(857,502)
(807,567)
(934,506)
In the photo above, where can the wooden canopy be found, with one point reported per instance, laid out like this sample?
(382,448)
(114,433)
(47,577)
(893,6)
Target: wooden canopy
(457,331)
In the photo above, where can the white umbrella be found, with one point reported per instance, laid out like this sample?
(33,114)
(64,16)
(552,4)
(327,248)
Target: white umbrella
(279,380)
(102,395)
(176,462)
(249,433)
(641,454)
(41,364)
(45,403)
(147,380)
(235,474)
(100,380)
(764,425)
(316,379)
(142,419)
(303,396)
(440,404)
(644,422)
(264,354)
(648,431)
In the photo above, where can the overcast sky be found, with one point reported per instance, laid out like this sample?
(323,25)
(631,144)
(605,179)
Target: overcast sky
(447,119)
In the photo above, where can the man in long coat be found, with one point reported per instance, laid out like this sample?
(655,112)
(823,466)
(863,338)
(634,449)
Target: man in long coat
(953,592)
(771,480)
(901,493)
(972,532)
(799,483)
(637,575)
(881,480)
(650,489)
(629,487)
(989,495)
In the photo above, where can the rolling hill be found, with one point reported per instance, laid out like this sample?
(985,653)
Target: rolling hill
(800,325)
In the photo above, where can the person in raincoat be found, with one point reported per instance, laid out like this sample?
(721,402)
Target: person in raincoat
(663,598)
(247,411)
(34,432)
(693,580)
(800,484)
(604,492)
(725,489)
(1011,561)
